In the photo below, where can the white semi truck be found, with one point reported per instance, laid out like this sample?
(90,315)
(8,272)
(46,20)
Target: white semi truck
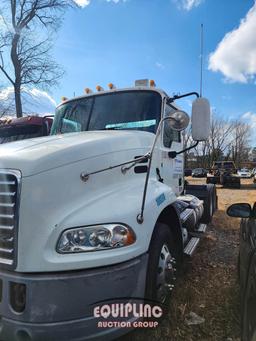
(98,211)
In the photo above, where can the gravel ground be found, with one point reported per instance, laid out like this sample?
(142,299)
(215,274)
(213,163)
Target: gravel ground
(208,284)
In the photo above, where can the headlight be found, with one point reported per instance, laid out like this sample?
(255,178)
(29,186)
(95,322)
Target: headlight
(93,238)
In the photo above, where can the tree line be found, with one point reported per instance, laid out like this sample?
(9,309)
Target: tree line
(228,140)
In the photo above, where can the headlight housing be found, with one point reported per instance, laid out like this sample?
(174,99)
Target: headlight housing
(94,238)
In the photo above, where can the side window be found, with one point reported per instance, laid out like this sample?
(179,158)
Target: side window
(169,135)
(72,116)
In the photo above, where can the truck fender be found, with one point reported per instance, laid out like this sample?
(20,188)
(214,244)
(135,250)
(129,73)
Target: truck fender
(170,217)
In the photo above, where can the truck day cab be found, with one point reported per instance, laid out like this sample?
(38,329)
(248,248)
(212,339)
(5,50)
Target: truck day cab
(15,129)
(98,211)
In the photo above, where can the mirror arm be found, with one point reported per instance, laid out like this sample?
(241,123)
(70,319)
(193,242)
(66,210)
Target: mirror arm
(172,99)
(173,154)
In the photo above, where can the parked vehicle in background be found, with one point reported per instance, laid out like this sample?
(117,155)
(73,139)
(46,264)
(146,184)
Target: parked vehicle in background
(244,173)
(224,173)
(14,129)
(247,267)
(199,173)
(187,172)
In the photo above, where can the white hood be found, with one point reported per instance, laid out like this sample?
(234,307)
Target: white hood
(33,156)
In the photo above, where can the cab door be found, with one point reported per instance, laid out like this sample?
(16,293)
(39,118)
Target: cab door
(172,170)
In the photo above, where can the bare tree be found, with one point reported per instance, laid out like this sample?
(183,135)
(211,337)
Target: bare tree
(6,106)
(228,140)
(240,143)
(220,138)
(25,41)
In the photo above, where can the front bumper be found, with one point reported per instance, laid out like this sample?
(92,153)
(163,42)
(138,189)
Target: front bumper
(59,306)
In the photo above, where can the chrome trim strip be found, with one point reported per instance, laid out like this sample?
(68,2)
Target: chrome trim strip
(7,182)
(6,261)
(6,250)
(9,194)
(6,205)
(8,228)
(8,216)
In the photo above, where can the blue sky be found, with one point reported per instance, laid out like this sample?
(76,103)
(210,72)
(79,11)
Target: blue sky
(120,41)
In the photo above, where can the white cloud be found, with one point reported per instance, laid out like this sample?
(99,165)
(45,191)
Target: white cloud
(187,5)
(250,118)
(84,3)
(226,98)
(160,66)
(235,56)
(116,1)
(34,101)
(5,26)
(2,24)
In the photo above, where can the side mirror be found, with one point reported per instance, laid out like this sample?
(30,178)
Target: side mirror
(201,119)
(242,210)
(179,120)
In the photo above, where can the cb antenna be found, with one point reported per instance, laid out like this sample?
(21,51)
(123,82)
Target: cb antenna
(201,58)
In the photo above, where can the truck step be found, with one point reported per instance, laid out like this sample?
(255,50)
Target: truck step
(202,228)
(191,246)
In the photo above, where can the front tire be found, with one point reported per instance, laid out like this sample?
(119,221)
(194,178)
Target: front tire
(161,265)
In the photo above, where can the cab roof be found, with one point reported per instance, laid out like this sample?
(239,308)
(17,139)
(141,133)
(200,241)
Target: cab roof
(162,93)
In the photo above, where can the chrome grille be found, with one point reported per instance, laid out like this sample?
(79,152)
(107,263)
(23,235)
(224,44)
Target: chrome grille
(9,209)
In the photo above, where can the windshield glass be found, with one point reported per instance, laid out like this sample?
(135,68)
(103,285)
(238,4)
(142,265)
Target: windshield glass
(15,133)
(138,110)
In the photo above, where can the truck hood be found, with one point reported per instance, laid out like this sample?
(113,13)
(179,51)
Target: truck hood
(34,156)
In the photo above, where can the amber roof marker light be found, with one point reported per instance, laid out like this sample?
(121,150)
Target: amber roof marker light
(111,86)
(99,88)
(152,83)
(88,91)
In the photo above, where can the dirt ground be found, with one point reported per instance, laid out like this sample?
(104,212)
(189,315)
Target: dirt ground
(208,283)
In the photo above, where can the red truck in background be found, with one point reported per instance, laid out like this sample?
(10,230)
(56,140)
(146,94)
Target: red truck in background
(14,129)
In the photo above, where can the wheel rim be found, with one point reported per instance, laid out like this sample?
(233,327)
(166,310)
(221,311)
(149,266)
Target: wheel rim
(165,274)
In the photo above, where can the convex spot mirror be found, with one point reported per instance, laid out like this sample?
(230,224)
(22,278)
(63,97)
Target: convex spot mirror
(179,120)
(242,210)
(201,119)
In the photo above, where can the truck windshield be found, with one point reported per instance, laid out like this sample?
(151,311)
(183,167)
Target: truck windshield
(138,110)
(15,133)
